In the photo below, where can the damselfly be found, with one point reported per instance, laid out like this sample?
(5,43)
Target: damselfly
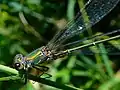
(95,9)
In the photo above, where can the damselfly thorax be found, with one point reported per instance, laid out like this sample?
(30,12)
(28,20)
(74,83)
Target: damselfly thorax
(38,56)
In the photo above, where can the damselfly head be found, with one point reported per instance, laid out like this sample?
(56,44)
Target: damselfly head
(19,62)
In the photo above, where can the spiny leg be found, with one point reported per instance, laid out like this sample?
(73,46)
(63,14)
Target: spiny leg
(43,69)
(24,76)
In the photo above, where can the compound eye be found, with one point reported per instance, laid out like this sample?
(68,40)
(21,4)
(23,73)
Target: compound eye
(18,62)
(17,65)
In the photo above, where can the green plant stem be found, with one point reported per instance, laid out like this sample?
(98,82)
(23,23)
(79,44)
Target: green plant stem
(34,78)
(70,9)
(10,78)
(52,83)
(110,85)
(8,70)
(106,60)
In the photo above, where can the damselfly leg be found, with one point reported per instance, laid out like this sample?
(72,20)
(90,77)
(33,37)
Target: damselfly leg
(24,76)
(43,70)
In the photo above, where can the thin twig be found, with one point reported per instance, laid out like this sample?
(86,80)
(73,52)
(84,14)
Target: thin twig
(29,28)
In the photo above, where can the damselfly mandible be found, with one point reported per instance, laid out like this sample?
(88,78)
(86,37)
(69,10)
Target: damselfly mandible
(95,9)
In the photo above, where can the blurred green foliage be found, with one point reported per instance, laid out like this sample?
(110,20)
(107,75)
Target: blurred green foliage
(29,24)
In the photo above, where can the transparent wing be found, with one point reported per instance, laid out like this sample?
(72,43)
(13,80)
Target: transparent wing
(96,10)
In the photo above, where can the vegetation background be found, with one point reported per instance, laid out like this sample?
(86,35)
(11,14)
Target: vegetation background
(26,25)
